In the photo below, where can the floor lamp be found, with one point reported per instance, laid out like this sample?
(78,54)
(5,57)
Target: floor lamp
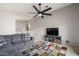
(27,36)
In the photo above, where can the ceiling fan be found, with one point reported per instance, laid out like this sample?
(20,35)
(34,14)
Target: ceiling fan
(41,12)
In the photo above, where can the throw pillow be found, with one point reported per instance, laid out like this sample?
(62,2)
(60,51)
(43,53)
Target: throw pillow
(2,41)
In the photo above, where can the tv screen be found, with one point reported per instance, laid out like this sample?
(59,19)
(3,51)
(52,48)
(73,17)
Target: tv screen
(52,31)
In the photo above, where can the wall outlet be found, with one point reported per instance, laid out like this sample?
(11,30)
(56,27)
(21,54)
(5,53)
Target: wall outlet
(67,41)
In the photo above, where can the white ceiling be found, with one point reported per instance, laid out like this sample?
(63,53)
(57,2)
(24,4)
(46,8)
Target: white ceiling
(22,9)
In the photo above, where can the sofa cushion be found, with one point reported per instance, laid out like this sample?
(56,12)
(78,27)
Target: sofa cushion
(26,45)
(23,37)
(6,49)
(22,46)
(7,38)
(16,39)
(5,46)
(16,53)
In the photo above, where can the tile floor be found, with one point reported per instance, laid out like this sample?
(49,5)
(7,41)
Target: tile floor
(71,52)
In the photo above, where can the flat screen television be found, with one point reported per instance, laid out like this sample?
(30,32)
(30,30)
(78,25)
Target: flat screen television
(52,31)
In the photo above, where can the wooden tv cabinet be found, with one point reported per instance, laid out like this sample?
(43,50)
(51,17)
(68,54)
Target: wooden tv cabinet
(51,38)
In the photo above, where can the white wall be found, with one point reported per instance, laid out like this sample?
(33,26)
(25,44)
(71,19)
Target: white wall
(7,23)
(67,19)
(20,26)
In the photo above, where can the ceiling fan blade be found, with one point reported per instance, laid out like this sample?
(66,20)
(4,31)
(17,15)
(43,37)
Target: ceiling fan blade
(35,8)
(46,9)
(36,15)
(47,14)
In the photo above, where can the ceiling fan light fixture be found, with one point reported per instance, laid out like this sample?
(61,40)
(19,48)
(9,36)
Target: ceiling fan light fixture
(40,14)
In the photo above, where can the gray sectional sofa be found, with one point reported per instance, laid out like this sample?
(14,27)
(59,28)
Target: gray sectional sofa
(12,45)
